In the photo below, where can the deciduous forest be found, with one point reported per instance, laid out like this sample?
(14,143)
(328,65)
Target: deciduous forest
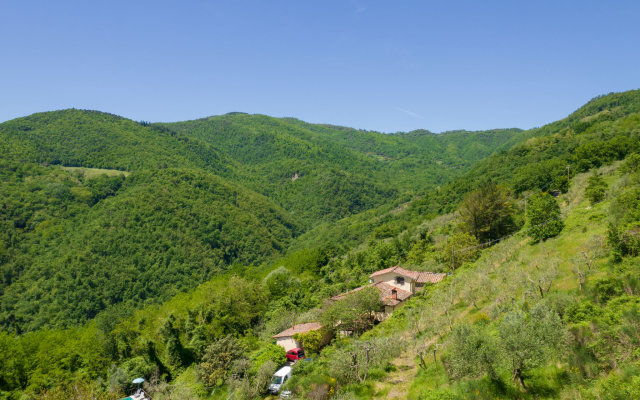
(175,251)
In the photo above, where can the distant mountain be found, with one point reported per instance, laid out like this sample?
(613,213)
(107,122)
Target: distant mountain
(338,171)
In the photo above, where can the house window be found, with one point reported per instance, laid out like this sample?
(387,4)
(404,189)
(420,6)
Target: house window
(399,280)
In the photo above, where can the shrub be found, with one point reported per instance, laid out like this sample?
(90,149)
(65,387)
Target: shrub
(623,244)
(271,352)
(631,164)
(217,360)
(596,189)
(311,341)
(543,213)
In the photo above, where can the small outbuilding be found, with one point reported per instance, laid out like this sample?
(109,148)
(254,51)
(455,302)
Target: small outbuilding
(286,337)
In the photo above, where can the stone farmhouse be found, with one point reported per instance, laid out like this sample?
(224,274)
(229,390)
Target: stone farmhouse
(396,285)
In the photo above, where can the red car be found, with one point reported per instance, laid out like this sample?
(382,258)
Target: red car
(294,355)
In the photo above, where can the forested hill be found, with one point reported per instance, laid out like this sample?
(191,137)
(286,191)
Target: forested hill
(80,138)
(322,172)
(603,130)
(161,208)
(236,251)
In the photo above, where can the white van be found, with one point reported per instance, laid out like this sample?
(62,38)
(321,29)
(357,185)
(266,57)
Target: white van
(279,378)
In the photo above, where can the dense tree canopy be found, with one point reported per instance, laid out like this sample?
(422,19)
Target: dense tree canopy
(488,212)
(231,229)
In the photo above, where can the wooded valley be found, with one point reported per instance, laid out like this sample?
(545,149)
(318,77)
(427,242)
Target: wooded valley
(175,251)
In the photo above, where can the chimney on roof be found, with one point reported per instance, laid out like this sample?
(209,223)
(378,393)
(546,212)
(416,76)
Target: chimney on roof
(394,294)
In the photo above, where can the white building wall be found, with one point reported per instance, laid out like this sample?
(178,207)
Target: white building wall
(287,343)
(390,278)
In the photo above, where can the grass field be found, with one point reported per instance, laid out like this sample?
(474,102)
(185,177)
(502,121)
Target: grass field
(93,172)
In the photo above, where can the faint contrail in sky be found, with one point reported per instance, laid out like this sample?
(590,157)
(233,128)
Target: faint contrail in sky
(415,115)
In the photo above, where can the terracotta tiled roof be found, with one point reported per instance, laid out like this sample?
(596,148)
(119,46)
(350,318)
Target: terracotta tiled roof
(419,277)
(430,277)
(383,271)
(300,328)
(386,294)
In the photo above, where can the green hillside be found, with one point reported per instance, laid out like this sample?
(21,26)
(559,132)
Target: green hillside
(189,203)
(182,273)
(496,314)
(80,138)
(602,131)
(322,172)
(73,247)
(529,161)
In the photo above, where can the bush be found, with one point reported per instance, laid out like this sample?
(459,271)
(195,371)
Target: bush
(596,189)
(312,341)
(623,244)
(631,164)
(461,246)
(217,360)
(543,214)
(271,352)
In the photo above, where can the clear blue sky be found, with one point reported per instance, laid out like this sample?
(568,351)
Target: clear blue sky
(380,65)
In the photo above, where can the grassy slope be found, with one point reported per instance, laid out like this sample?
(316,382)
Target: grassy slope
(500,274)
(95,172)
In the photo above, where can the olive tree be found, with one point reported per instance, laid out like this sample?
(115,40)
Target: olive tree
(472,352)
(353,363)
(521,342)
(530,340)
